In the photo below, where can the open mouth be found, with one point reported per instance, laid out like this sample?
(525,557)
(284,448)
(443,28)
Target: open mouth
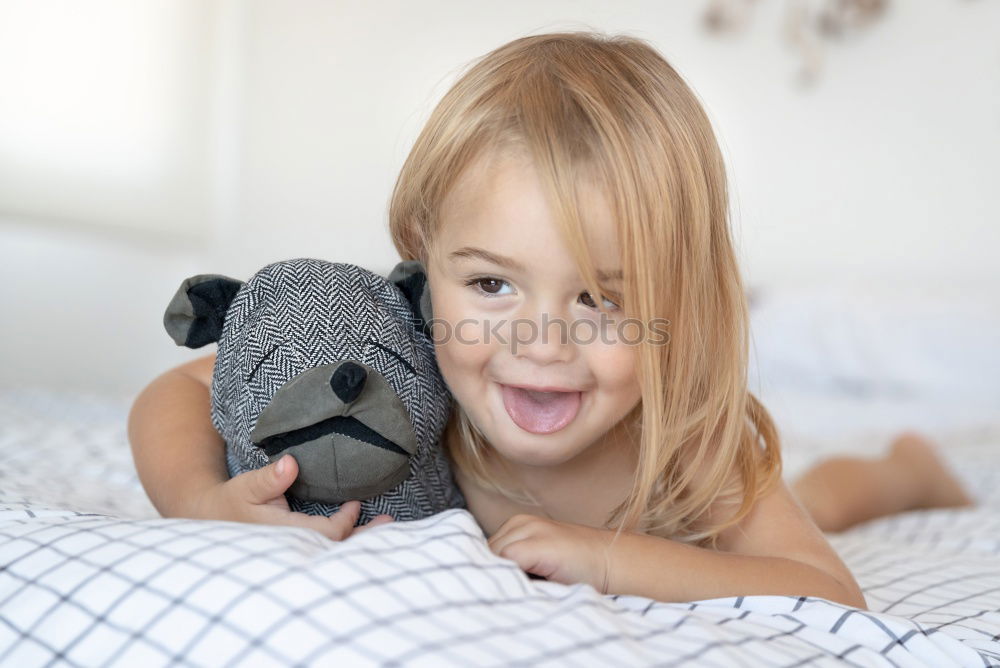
(540,412)
(338,424)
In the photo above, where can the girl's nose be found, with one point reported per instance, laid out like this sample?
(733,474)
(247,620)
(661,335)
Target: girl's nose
(543,339)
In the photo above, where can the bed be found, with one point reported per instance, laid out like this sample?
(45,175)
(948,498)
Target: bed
(91,575)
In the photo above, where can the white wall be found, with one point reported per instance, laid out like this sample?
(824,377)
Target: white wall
(887,170)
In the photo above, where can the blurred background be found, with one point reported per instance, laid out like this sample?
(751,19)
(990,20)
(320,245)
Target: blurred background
(143,141)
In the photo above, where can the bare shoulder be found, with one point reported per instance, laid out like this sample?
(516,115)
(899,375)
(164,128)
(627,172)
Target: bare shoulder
(777,522)
(200,369)
(779,526)
(776,526)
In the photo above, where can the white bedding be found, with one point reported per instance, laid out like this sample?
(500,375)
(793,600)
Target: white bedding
(89,575)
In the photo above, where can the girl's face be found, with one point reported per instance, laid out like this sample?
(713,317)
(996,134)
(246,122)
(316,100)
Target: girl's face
(519,341)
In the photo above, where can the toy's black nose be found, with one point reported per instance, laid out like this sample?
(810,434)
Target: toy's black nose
(348,381)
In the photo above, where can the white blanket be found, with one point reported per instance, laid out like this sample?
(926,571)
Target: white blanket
(89,575)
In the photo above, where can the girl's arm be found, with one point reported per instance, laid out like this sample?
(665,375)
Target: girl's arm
(776,549)
(181,461)
(177,451)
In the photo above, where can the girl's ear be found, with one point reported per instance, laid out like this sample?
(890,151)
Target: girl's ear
(411,278)
(197,312)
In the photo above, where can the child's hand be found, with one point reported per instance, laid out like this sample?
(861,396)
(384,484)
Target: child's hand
(258,496)
(558,551)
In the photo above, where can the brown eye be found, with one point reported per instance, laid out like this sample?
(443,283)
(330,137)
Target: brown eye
(588,301)
(490,285)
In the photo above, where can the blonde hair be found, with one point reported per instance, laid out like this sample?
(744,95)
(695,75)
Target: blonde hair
(587,107)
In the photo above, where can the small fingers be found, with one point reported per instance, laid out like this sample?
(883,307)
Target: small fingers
(342,522)
(269,482)
(337,526)
(378,521)
(519,528)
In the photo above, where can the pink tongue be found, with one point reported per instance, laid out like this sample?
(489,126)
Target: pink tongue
(540,412)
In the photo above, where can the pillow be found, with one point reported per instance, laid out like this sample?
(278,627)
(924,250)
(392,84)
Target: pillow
(877,341)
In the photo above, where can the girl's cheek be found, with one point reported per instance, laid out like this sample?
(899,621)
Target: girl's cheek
(455,370)
(461,353)
(614,364)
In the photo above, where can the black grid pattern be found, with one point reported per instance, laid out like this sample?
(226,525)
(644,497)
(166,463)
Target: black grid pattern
(91,584)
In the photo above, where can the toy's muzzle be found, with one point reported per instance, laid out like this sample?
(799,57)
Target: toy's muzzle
(347,429)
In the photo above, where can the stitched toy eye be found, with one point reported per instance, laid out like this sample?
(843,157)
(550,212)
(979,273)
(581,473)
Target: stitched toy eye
(392,353)
(257,366)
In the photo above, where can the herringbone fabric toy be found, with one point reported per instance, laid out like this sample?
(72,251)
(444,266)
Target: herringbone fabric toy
(331,363)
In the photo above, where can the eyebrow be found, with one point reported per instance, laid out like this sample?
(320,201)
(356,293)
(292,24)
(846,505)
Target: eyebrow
(471,252)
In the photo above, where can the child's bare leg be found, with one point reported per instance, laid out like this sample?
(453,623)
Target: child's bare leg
(843,491)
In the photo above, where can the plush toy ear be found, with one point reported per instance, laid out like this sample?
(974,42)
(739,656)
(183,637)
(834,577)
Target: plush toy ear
(411,278)
(195,315)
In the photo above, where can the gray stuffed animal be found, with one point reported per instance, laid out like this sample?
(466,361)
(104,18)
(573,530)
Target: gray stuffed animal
(333,364)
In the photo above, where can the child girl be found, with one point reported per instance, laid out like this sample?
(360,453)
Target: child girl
(568,200)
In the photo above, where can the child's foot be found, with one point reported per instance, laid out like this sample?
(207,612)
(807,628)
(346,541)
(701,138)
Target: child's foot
(941,488)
